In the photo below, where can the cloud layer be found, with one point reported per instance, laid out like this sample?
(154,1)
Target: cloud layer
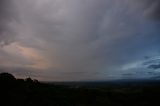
(77,39)
(8,15)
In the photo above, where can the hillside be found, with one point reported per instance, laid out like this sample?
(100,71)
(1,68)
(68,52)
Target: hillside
(28,92)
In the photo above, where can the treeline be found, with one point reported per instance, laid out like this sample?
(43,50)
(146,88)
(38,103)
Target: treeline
(6,78)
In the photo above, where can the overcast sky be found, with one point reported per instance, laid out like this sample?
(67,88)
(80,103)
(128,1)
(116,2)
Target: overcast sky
(80,40)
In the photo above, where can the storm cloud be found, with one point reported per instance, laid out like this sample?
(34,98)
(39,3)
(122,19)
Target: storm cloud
(8,15)
(152,8)
(78,39)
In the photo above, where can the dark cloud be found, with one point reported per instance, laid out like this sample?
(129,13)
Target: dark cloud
(154,66)
(152,8)
(7,16)
(156,11)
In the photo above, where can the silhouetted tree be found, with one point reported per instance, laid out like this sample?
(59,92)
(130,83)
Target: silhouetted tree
(7,79)
(35,81)
(7,76)
(7,83)
(29,80)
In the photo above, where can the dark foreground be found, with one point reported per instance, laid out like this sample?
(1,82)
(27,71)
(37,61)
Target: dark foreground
(28,92)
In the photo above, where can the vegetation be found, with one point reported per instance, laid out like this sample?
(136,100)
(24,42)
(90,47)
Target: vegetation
(28,92)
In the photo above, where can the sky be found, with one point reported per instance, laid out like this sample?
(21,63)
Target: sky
(80,40)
